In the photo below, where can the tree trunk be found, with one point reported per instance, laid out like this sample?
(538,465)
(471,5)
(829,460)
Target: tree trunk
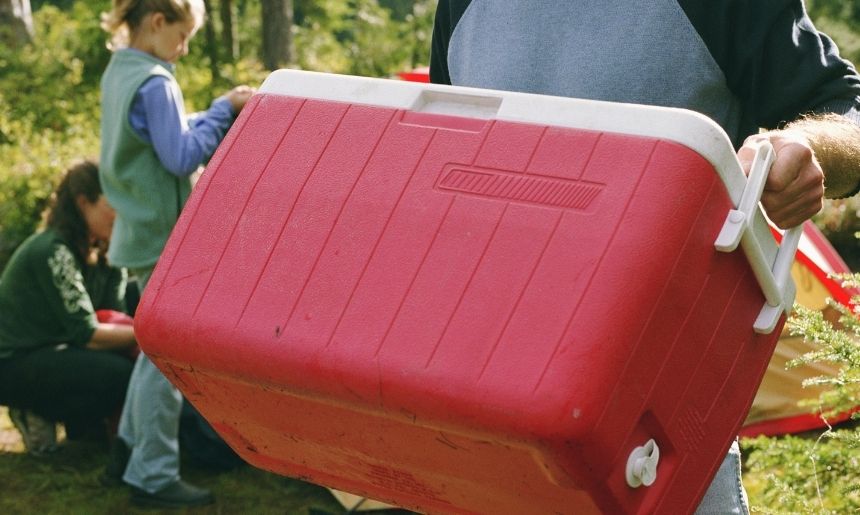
(16,22)
(277,33)
(211,43)
(228,30)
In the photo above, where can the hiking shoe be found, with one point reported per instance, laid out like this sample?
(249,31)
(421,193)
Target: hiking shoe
(117,461)
(39,435)
(178,494)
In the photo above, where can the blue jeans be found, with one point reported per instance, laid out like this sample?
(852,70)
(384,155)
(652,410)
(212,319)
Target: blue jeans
(150,423)
(726,493)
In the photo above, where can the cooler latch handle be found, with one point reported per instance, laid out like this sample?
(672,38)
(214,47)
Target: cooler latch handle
(775,281)
(642,465)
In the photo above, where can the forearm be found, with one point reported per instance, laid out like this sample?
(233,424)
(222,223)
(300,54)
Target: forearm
(112,337)
(835,140)
(183,150)
(158,116)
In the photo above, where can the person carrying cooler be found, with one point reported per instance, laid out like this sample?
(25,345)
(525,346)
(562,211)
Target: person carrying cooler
(746,65)
(149,150)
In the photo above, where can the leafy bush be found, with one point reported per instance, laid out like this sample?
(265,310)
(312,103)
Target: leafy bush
(52,84)
(361,37)
(818,474)
(839,345)
(838,19)
(802,475)
(33,165)
(48,114)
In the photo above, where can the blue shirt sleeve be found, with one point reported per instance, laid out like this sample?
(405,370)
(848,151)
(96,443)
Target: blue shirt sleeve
(157,116)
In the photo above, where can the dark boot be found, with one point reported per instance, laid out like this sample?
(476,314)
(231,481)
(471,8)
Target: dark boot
(117,461)
(39,435)
(178,494)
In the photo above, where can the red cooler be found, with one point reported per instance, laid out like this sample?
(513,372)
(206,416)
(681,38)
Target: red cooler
(472,301)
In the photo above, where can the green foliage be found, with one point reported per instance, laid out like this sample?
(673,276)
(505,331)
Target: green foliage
(848,10)
(400,9)
(319,33)
(34,163)
(361,37)
(200,90)
(48,113)
(802,475)
(837,345)
(56,75)
(419,31)
(369,49)
(839,19)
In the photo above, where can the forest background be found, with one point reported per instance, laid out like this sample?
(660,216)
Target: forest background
(49,76)
(50,66)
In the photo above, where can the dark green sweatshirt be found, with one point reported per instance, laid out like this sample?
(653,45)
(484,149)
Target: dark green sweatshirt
(49,296)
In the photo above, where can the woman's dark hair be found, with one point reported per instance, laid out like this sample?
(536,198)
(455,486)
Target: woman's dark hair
(63,214)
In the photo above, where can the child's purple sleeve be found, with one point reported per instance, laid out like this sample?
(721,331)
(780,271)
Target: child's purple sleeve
(157,115)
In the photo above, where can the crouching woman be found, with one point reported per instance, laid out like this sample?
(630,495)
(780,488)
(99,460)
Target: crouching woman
(58,363)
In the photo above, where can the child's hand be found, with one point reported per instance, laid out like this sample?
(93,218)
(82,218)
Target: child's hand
(239,95)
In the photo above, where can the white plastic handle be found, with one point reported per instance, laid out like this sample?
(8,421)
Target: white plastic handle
(775,281)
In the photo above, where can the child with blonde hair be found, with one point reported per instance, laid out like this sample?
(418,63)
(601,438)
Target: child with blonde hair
(149,150)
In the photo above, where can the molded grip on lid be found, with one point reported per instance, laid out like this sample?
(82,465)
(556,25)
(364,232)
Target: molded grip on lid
(484,107)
